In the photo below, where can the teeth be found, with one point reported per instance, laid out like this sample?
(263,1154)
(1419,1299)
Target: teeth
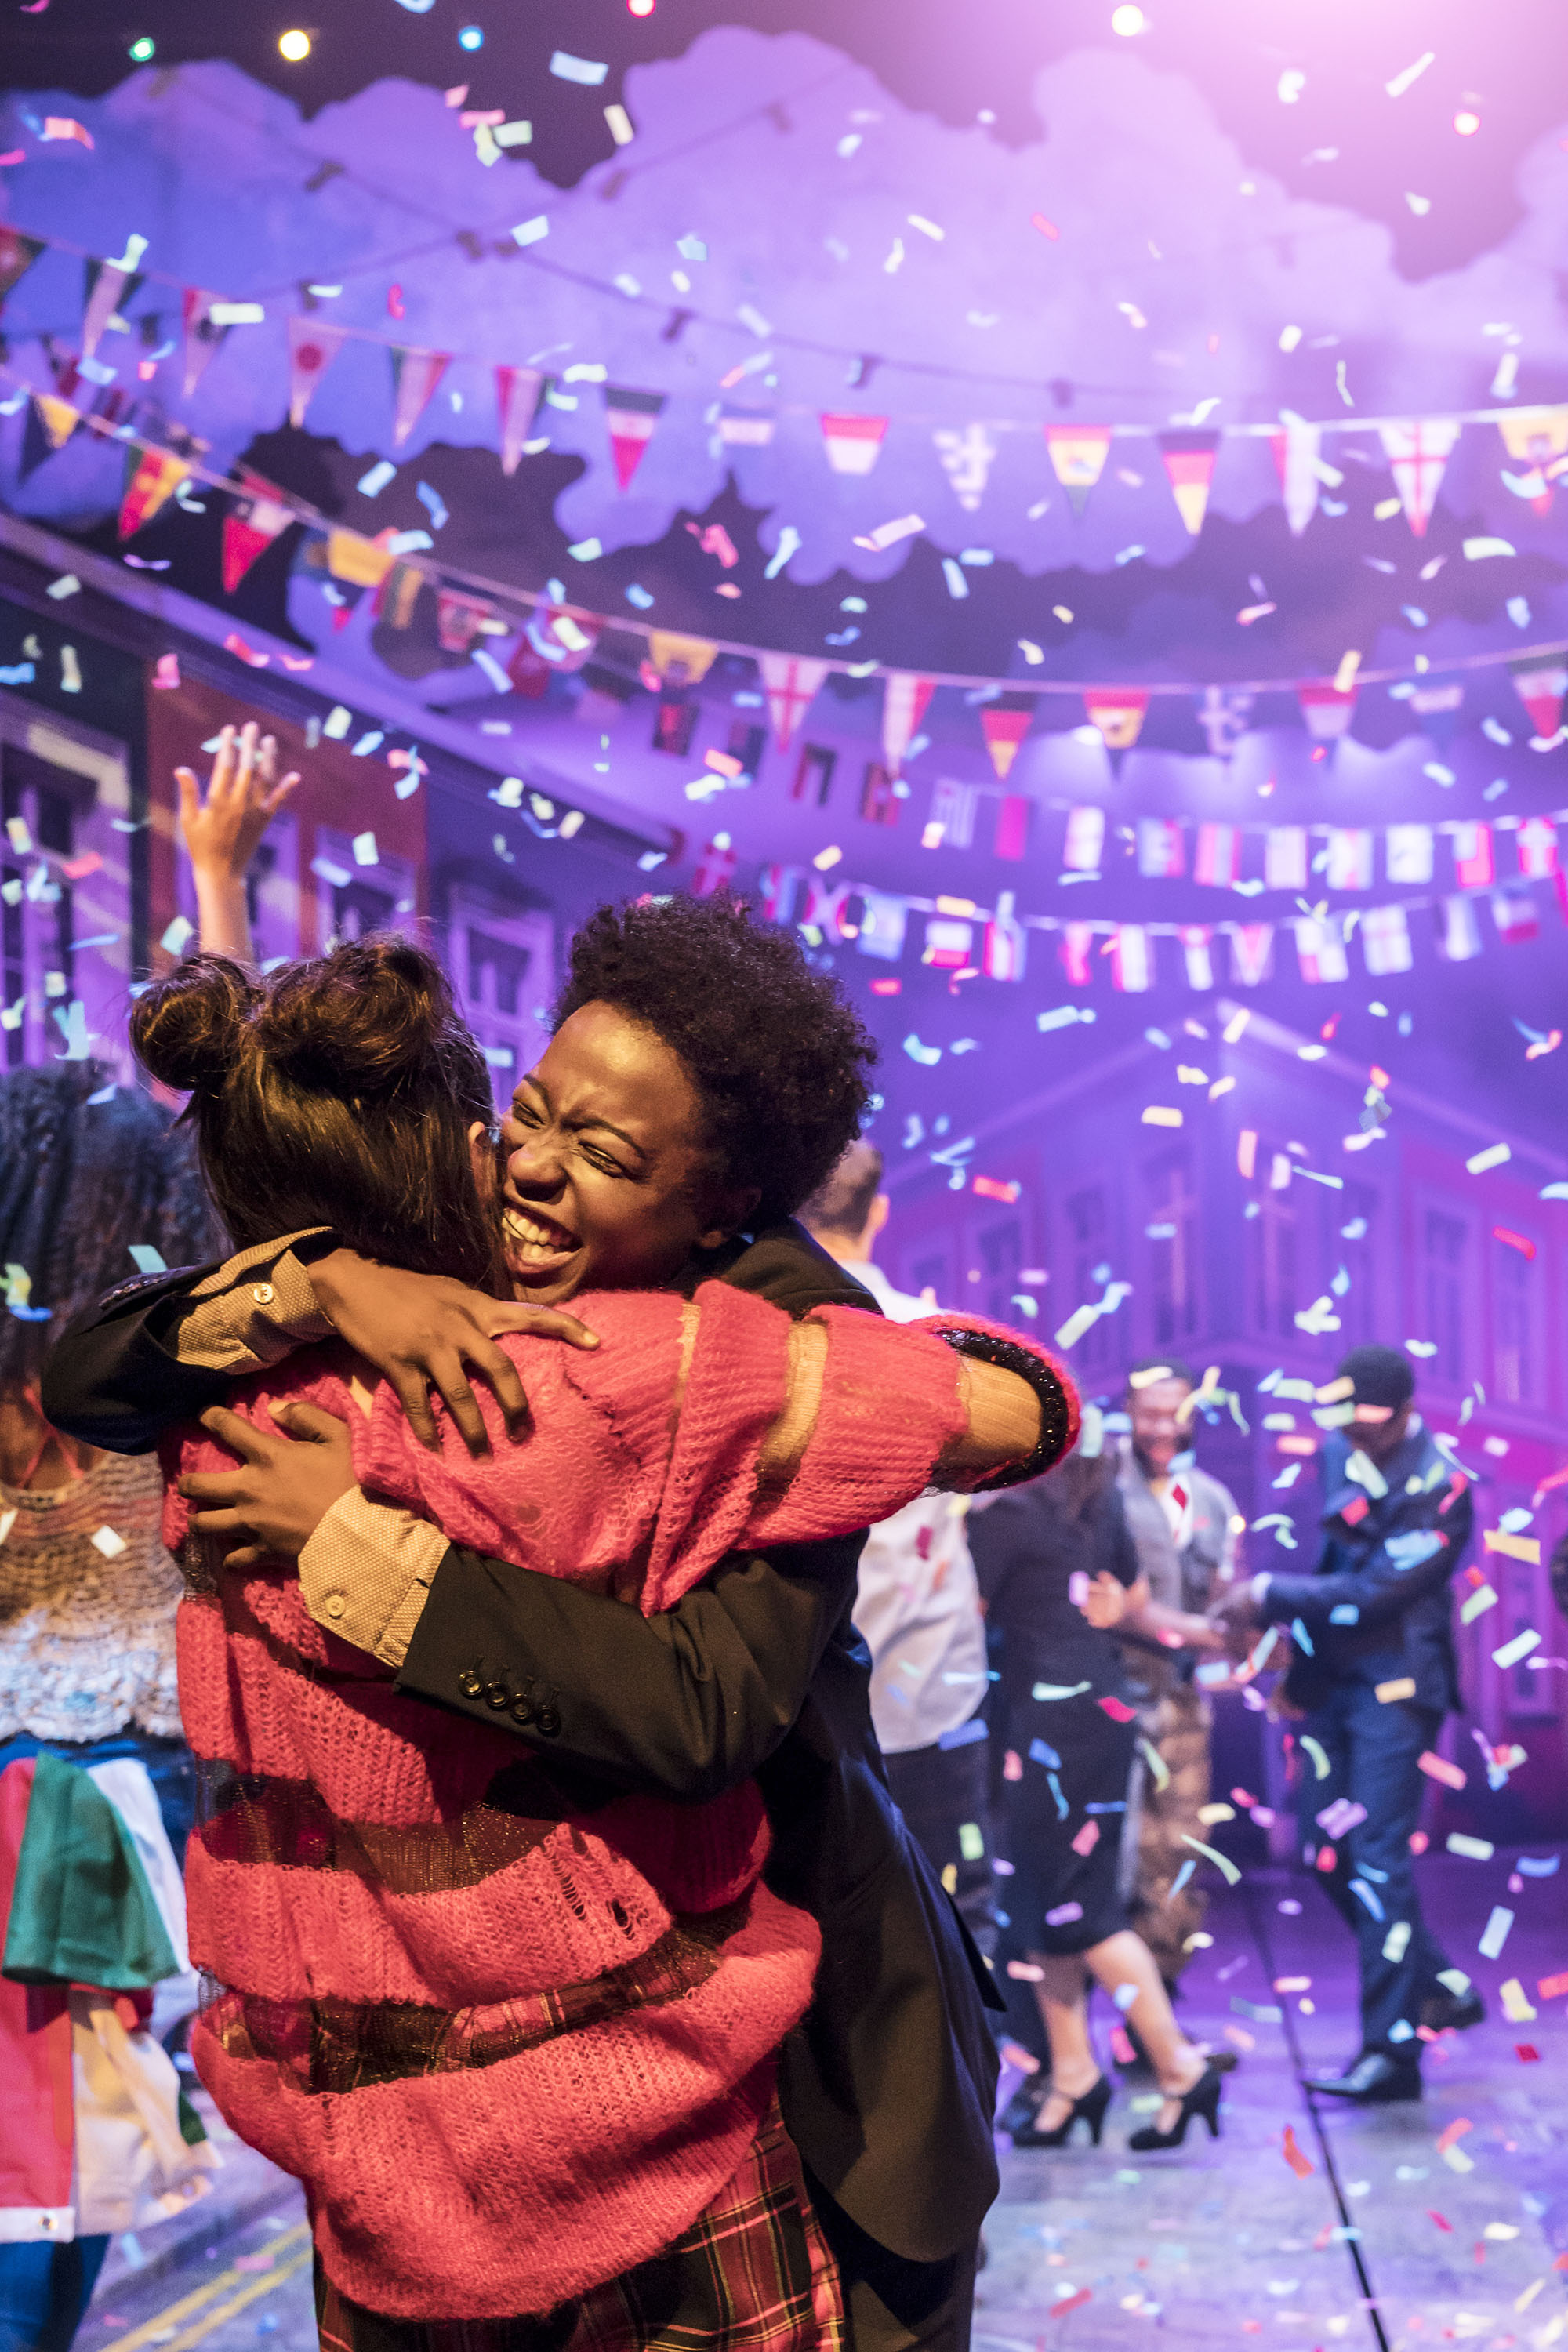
(536,1238)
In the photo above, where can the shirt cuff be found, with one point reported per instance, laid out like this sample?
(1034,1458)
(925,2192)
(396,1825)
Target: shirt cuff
(257,1308)
(366,1571)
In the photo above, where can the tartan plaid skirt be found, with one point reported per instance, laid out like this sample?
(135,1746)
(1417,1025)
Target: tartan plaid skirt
(754,2273)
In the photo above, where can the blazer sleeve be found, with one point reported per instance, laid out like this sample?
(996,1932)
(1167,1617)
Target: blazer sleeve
(686,1704)
(1380,1591)
(113,1378)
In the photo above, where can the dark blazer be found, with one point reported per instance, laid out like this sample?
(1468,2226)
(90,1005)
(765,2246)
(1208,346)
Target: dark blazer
(889,2083)
(1377,1608)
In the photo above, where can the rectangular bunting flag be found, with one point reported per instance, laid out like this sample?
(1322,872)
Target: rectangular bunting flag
(1320,951)
(1197,954)
(1251,953)
(1003,952)
(1161,847)
(883,922)
(1012,827)
(1408,850)
(1284,857)
(1075,947)
(1385,940)
(1350,858)
(952,815)
(1514,913)
(1085,841)
(1131,958)
(1474,867)
(1537,839)
(966,457)
(1458,932)
(1217,858)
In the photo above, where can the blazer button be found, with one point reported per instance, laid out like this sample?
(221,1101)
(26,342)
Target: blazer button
(496,1695)
(470,1683)
(523,1708)
(548,1721)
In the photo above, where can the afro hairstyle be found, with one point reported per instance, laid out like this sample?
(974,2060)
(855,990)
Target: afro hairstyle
(778,1056)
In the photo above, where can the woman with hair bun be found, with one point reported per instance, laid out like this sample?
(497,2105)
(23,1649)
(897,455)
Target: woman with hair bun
(519,2037)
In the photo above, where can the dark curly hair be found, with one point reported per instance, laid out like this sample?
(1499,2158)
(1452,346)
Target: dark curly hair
(777,1054)
(88,1168)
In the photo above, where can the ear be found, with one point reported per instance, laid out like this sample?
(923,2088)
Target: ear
(731,1212)
(881,1209)
(482,1157)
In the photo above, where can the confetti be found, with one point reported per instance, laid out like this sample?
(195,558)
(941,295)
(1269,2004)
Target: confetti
(105,1541)
(1390,1694)
(1222,1862)
(1300,2164)
(1495,1934)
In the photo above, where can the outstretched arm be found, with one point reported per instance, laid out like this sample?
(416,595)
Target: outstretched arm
(222,831)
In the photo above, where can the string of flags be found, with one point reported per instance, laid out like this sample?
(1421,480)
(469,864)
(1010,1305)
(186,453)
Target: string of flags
(558,637)
(1415,449)
(969,941)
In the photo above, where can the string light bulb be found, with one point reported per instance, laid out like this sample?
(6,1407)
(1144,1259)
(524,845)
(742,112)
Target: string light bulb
(1128,20)
(640,7)
(294,45)
(1466,124)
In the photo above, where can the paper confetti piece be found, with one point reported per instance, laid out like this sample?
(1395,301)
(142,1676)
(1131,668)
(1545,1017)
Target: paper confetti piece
(1222,1862)
(1495,1934)
(1511,1653)
(1120,1712)
(105,1541)
(178,935)
(1321,1765)
(1474,1849)
(1516,2005)
(1402,1687)
(1452,2132)
(1064,1914)
(1441,2219)
(1300,2164)
(1552,1988)
(1437,1768)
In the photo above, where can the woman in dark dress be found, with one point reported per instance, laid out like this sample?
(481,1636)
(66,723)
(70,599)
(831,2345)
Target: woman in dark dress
(1056,1570)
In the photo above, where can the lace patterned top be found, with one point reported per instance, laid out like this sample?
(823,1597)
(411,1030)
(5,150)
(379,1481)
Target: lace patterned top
(87,1628)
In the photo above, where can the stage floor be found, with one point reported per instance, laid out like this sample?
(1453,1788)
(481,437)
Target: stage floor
(1090,2249)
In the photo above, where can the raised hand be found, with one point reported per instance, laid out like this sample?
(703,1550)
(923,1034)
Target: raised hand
(222,831)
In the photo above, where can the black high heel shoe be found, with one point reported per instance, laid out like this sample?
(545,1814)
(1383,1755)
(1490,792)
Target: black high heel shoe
(1090,2109)
(1202,2099)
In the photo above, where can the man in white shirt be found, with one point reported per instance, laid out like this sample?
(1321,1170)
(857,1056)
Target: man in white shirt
(918,1608)
(1186,1529)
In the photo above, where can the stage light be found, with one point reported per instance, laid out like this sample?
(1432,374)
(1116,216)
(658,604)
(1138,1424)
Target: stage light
(1466,123)
(295,46)
(142,49)
(1128,20)
(471,37)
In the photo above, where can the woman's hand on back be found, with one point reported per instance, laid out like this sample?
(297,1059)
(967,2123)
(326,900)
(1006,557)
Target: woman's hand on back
(422,1331)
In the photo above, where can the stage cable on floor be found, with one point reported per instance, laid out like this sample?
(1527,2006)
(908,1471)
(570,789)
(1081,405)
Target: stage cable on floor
(1258,1926)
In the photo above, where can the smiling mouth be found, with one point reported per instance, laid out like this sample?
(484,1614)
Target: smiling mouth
(534,1242)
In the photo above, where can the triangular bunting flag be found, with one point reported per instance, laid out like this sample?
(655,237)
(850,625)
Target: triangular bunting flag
(1536,438)
(1189,465)
(1005,728)
(202,337)
(904,704)
(1437,708)
(516,398)
(313,348)
(852,441)
(1296,454)
(631,416)
(1327,711)
(1541,682)
(17,255)
(1418,449)
(59,417)
(259,517)
(679,661)
(107,286)
(1117,712)
(745,428)
(154,478)
(415,376)
(967,459)
(1077,452)
(790,686)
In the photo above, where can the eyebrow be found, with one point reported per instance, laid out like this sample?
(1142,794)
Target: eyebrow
(607,1124)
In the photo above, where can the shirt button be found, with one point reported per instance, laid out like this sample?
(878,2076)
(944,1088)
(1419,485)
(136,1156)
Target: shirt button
(263,1292)
(336,1604)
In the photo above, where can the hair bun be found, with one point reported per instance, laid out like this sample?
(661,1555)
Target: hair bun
(186,1030)
(360,1021)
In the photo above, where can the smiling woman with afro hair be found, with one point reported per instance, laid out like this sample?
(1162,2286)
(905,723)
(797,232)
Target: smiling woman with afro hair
(775,1051)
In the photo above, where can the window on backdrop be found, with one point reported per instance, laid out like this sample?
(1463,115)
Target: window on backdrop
(1001,1258)
(1516,1353)
(1445,1240)
(503,964)
(1170,1232)
(1089,1242)
(1276,1275)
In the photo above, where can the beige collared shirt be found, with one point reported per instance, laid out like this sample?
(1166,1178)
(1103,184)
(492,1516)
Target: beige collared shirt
(368,1568)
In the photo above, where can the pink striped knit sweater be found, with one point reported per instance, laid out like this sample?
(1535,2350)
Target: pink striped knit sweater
(514,2044)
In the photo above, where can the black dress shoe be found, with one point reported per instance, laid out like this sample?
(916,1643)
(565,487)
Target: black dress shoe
(1203,2100)
(1090,2109)
(1376,2079)
(1445,2011)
